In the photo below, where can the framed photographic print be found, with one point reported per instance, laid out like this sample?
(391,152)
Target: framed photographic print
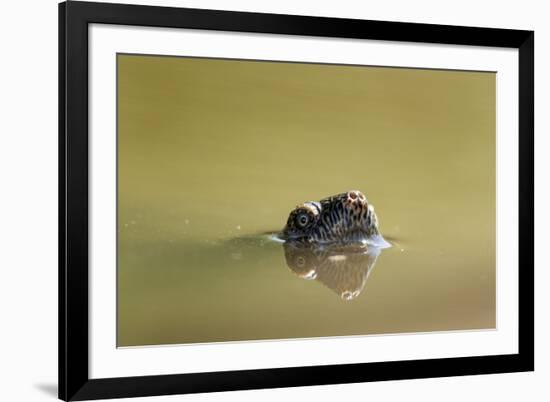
(257,200)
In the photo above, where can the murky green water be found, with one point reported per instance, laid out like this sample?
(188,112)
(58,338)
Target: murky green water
(213,153)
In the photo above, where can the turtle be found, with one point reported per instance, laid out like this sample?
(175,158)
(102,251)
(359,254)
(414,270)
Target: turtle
(343,219)
(335,241)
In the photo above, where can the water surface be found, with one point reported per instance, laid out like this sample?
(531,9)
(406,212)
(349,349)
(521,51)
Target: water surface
(212,154)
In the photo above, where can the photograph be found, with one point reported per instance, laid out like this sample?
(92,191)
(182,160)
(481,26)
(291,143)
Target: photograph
(262,200)
(213,201)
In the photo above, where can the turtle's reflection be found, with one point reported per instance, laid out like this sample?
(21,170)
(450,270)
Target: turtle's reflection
(344,271)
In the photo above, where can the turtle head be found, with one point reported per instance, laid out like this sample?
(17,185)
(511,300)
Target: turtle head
(345,218)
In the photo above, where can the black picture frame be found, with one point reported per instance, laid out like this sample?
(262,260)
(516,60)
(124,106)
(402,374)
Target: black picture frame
(74,381)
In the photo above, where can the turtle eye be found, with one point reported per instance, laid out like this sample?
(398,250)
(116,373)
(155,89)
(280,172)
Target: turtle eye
(302,220)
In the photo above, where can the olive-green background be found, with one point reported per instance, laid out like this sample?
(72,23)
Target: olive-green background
(212,151)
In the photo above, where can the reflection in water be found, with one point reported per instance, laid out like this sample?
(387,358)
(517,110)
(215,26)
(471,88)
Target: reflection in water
(343,270)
